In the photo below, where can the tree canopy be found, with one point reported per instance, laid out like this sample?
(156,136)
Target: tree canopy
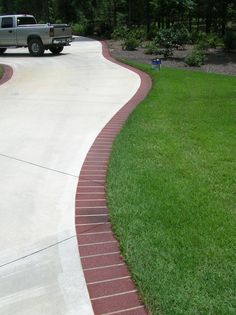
(103,16)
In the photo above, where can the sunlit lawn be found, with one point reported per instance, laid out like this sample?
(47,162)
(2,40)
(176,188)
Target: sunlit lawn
(1,71)
(171,188)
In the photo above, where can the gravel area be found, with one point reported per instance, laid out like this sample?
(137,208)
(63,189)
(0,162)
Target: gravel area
(217,60)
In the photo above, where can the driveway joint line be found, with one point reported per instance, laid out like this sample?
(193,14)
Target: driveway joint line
(38,251)
(37,165)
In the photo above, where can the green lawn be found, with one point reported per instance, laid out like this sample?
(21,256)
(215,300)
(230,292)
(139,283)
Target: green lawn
(171,190)
(1,71)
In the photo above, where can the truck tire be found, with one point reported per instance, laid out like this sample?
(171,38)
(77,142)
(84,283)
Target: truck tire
(2,51)
(56,50)
(36,48)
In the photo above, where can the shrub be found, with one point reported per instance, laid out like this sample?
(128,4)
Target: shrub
(130,43)
(138,32)
(120,32)
(123,32)
(79,29)
(152,32)
(181,36)
(195,37)
(213,40)
(151,48)
(196,58)
(230,39)
(167,52)
(165,38)
(202,45)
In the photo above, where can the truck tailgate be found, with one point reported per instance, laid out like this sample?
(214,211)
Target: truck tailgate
(62,30)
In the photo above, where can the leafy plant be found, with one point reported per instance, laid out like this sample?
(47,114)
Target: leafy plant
(130,43)
(202,45)
(166,38)
(151,48)
(181,36)
(79,29)
(196,37)
(123,32)
(196,58)
(120,32)
(138,32)
(213,40)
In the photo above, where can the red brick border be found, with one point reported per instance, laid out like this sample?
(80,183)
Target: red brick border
(8,72)
(108,279)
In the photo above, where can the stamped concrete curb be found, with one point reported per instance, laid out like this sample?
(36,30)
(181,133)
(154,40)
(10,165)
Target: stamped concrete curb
(108,279)
(8,72)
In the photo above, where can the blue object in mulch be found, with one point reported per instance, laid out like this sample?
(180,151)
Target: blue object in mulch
(156,64)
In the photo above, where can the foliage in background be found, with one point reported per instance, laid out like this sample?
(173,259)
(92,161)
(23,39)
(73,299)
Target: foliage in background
(104,16)
(130,43)
(196,58)
(165,38)
(151,48)
(230,39)
(181,36)
(80,28)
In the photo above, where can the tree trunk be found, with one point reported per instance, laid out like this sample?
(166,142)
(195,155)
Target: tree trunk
(114,14)
(224,15)
(209,17)
(190,21)
(148,19)
(198,24)
(129,12)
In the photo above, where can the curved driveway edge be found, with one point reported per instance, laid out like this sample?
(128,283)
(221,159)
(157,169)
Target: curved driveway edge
(8,72)
(108,279)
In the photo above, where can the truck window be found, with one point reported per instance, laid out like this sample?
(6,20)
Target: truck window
(25,20)
(7,22)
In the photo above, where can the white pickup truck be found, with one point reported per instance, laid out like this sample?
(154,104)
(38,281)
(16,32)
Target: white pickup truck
(23,31)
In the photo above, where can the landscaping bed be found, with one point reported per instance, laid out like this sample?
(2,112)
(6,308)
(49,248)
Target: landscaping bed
(217,60)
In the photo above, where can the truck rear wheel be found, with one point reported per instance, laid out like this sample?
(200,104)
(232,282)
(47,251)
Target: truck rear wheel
(36,47)
(56,50)
(2,51)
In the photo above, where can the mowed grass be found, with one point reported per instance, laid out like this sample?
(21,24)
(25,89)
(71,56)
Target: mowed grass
(1,71)
(171,191)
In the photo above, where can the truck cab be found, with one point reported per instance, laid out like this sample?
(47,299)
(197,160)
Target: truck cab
(8,25)
(23,31)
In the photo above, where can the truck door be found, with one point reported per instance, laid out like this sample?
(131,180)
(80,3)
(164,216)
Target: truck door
(7,32)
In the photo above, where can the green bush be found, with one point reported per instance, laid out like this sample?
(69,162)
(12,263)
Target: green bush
(230,39)
(167,52)
(152,49)
(205,41)
(196,37)
(123,32)
(79,29)
(202,45)
(120,32)
(166,38)
(196,58)
(152,32)
(213,40)
(138,32)
(130,43)
(181,36)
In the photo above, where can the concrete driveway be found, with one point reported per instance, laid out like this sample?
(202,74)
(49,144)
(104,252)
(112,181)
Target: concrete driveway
(50,113)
